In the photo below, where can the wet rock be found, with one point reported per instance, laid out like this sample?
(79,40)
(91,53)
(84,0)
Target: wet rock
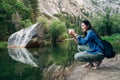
(31,36)
(54,72)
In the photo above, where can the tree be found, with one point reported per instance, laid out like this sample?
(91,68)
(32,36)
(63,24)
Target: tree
(57,28)
(13,13)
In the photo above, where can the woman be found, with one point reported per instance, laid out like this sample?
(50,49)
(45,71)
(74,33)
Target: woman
(89,51)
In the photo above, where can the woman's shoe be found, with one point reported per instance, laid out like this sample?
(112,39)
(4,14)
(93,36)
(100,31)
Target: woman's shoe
(88,65)
(96,64)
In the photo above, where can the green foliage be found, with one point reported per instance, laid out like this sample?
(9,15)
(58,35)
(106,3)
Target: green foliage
(34,5)
(5,20)
(61,17)
(3,44)
(114,40)
(115,21)
(73,22)
(25,23)
(22,10)
(42,19)
(106,25)
(57,28)
(16,14)
(98,25)
(46,28)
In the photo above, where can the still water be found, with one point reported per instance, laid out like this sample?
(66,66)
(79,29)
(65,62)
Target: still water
(35,63)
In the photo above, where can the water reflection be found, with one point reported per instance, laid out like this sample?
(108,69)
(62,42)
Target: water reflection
(61,54)
(51,61)
(23,55)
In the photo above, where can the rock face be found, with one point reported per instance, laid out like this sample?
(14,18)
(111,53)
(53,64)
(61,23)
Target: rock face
(82,8)
(28,37)
(109,70)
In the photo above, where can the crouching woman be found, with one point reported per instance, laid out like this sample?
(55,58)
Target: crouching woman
(89,46)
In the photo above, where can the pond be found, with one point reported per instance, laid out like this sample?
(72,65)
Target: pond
(45,63)
(36,63)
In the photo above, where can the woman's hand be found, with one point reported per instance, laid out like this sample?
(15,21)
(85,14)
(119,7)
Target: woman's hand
(72,32)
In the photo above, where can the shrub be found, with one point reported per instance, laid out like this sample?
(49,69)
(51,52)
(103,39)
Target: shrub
(57,28)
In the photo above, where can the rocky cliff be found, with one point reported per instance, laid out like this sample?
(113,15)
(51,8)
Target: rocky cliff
(78,7)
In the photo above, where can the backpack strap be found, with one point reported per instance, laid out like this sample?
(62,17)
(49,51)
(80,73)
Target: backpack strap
(100,40)
(98,45)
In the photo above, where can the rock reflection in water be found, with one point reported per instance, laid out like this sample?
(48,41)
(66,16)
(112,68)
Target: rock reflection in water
(23,55)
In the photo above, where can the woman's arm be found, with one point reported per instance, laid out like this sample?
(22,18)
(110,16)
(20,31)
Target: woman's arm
(90,35)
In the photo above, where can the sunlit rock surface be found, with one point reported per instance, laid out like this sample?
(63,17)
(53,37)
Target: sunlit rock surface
(31,36)
(109,70)
(23,55)
(82,8)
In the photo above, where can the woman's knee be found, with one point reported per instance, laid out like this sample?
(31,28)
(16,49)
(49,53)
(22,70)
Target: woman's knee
(78,56)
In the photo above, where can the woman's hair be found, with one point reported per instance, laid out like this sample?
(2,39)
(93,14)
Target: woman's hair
(89,26)
(87,23)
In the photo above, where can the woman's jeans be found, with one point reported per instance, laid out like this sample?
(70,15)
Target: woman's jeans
(82,55)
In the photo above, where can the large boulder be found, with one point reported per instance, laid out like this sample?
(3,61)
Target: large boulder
(31,36)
